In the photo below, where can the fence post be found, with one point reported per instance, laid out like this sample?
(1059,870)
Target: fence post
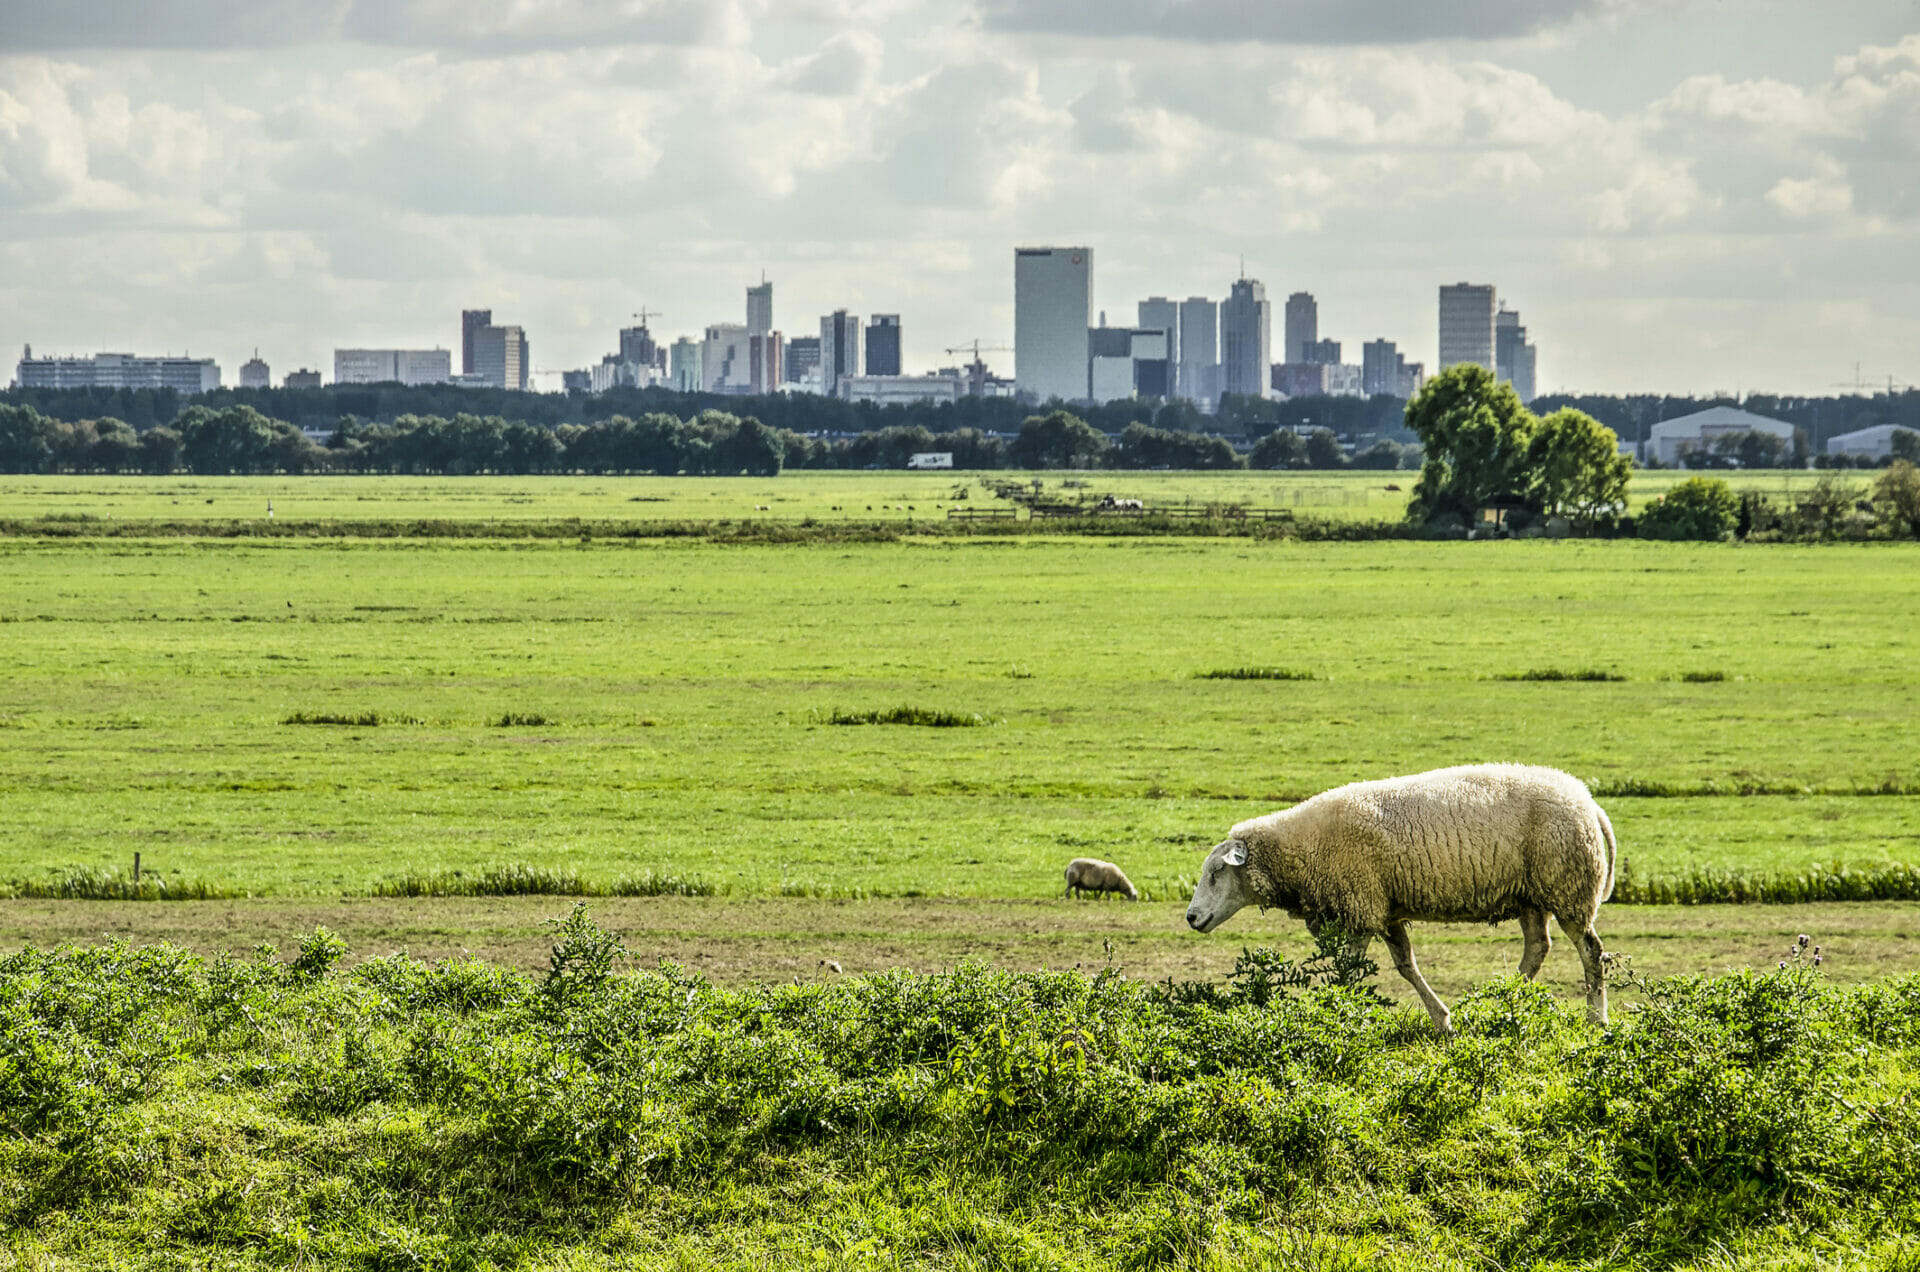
(136,867)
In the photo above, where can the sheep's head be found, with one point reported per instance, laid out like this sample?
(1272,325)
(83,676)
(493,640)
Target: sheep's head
(1223,887)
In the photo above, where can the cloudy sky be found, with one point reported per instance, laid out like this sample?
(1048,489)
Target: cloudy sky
(1678,195)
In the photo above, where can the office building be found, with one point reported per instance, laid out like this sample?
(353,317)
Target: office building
(1246,339)
(1303,327)
(1466,325)
(1127,362)
(763,361)
(1157,313)
(254,373)
(902,390)
(1052,314)
(500,357)
(760,309)
(684,372)
(883,345)
(1385,370)
(1325,352)
(1513,356)
(392,366)
(118,371)
(802,361)
(472,322)
(839,350)
(1198,376)
(302,379)
(580,381)
(725,360)
(638,346)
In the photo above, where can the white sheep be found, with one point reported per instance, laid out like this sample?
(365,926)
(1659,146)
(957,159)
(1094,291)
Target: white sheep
(1085,874)
(1480,843)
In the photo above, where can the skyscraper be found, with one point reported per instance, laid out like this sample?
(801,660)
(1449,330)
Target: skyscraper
(802,359)
(1466,325)
(254,373)
(472,322)
(1052,315)
(500,355)
(883,345)
(1157,313)
(1303,327)
(638,346)
(839,350)
(684,365)
(1246,339)
(760,309)
(1513,356)
(1198,378)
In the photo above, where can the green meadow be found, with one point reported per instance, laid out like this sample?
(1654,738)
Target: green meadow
(796,494)
(665,707)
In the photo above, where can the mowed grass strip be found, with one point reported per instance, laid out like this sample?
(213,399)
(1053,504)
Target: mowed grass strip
(694,680)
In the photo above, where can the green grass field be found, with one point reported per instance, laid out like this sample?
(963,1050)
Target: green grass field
(824,495)
(682,692)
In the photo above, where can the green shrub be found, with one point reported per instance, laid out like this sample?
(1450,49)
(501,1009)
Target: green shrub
(1254,673)
(1697,508)
(1555,673)
(922,717)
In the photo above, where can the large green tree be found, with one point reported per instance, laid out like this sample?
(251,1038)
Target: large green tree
(236,440)
(1477,437)
(1059,439)
(1577,468)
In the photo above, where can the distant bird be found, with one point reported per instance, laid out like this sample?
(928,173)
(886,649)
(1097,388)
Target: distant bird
(289,604)
(832,965)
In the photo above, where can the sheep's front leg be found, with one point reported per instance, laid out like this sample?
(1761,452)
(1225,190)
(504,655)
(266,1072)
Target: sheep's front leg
(1409,970)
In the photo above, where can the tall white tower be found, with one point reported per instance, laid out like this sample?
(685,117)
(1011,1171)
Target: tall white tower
(1052,311)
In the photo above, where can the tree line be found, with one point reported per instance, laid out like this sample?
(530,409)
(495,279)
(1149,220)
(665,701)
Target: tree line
(239,439)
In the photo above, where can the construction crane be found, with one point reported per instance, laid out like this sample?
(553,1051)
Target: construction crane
(643,313)
(1860,384)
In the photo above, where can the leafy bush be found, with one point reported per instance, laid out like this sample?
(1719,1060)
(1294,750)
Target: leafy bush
(1254,673)
(1555,673)
(922,717)
(1697,508)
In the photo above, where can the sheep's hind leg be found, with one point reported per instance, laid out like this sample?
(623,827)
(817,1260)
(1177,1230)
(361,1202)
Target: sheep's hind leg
(1533,926)
(1409,970)
(1587,941)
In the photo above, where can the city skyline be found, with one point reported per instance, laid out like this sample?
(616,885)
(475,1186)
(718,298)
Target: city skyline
(1682,197)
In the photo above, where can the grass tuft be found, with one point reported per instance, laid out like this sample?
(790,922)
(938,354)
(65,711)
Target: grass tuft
(1888,881)
(518,879)
(522,720)
(1703,677)
(356,719)
(920,717)
(1255,673)
(91,883)
(1556,673)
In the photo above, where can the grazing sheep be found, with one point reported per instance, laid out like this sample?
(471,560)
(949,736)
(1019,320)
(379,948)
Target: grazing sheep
(830,965)
(1084,874)
(1483,843)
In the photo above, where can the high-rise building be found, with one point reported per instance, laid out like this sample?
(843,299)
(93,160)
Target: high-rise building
(1246,339)
(254,373)
(1513,356)
(392,366)
(802,360)
(302,379)
(683,366)
(118,371)
(638,346)
(1157,313)
(1127,362)
(725,359)
(1321,352)
(1198,377)
(839,350)
(883,345)
(1466,325)
(500,357)
(760,309)
(472,322)
(1303,327)
(1380,362)
(1052,315)
(763,361)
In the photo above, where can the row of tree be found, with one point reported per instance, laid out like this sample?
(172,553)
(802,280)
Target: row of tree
(239,439)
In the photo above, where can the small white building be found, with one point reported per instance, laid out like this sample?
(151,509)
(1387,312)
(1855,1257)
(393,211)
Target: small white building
(902,390)
(1872,442)
(1668,439)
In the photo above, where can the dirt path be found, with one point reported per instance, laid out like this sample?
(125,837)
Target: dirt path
(766,939)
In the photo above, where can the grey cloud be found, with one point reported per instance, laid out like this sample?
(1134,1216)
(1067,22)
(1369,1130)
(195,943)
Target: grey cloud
(477,25)
(1290,21)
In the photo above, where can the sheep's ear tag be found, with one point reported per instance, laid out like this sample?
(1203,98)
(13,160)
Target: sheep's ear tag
(1237,855)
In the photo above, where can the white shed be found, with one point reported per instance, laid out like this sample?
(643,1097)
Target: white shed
(1872,442)
(1669,438)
